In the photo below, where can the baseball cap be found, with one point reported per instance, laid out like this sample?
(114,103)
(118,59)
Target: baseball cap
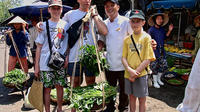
(55,3)
(114,1)
(137,14)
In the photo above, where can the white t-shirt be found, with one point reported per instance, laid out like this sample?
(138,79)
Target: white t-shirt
(59,41)
(117,31)
(72,17)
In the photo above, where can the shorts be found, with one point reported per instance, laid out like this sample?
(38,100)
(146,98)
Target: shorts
(139,88)
(159,66)
(78,71)
(51,78)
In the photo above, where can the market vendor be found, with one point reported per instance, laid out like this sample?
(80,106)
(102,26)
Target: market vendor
(20,38)
(197,37)
(158,33)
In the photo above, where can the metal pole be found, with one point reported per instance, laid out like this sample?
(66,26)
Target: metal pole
(179,28)
(5,56)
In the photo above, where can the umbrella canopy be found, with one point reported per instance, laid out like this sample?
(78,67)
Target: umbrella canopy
(166,4)
(34,10)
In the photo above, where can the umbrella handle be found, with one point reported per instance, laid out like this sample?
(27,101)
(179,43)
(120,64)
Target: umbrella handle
(41,15)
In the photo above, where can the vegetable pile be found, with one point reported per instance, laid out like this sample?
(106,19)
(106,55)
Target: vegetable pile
(53,95)
(88,59)
(15,77)
(85,98)
(176,82)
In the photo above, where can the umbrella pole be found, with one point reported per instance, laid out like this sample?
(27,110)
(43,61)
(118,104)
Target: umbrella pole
(179,28)
(41,15)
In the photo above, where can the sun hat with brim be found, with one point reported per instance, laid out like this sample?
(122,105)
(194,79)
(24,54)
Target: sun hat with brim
(17,19)
(136,14)
(55,3)
(196,19)
(165,20)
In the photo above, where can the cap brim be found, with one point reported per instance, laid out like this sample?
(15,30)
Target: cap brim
(105,1)
(165,21)
(137,16)
(55,5)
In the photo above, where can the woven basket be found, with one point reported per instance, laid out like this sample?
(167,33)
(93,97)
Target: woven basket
(13,85)
(97,107)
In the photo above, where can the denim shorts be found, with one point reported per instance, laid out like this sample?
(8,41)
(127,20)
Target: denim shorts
(78,71)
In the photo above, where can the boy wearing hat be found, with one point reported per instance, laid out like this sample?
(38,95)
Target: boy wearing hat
(157,32)
(50,77)
(135,74)
(21,37)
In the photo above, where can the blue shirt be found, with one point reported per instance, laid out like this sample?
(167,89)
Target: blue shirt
(159,35)
(21,40)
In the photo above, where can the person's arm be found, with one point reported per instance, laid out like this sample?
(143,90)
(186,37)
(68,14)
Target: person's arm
(143,65)
(101,26)
(153,44)
(8,39)
(133,73)
(170,30)
(67,57)
(100,45)
(37,59)
(38,26)
(102,29)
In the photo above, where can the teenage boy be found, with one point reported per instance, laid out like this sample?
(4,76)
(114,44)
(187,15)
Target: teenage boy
(49,77)
(135,73)
(71,17)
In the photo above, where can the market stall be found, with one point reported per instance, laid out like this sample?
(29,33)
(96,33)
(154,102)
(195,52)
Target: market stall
(180,44)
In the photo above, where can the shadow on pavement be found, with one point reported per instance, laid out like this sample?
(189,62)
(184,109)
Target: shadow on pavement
(9,95)
(171,95)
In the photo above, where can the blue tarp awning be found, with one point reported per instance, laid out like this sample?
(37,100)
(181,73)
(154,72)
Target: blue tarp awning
(166,4)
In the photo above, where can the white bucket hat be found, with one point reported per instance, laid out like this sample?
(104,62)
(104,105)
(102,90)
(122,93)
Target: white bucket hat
(17,19)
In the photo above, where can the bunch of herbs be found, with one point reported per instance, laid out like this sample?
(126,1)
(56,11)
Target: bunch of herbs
(88,59)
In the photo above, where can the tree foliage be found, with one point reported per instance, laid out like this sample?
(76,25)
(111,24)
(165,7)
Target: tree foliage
(5,5)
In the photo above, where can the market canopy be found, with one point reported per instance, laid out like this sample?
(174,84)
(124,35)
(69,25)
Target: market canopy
(166,4)
(34,10)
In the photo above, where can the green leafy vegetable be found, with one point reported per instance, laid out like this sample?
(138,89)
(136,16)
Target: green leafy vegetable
(88,59)
(84,98)
(15,77)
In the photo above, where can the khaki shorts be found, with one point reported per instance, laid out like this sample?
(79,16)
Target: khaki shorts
(138,88)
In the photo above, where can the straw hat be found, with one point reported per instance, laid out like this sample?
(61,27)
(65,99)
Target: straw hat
(165,21)
(17,19)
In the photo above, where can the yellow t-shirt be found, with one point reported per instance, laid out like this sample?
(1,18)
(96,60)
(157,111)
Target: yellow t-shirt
(143,43)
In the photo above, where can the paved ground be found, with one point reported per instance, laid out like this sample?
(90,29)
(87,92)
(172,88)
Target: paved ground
(164,99)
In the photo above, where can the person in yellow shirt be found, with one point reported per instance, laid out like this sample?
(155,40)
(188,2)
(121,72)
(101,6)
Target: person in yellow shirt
(135,73)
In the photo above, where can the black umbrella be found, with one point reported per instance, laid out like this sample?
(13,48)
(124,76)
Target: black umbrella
(34,10)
